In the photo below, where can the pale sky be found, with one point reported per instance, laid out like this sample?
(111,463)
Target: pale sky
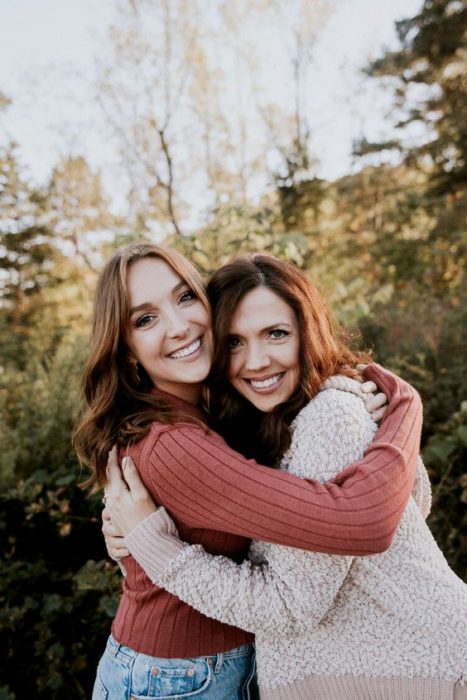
(47,55)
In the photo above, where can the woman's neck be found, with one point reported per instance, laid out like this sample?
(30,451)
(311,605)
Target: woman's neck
(191,393)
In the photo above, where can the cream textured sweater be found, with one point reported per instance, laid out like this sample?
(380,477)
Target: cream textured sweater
(389,626)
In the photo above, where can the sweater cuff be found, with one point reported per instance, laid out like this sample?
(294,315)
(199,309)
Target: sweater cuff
(154,543)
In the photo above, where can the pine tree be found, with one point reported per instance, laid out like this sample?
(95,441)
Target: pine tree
(429,72)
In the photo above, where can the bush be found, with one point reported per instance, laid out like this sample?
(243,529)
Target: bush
(425,342)
(58,590)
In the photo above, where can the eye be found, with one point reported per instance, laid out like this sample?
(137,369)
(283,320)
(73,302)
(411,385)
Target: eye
(233,342)
(187,295)
(144,320)
(278,333)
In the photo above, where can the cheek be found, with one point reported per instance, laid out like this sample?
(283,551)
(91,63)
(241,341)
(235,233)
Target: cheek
(295,355)
(202,317)
(208,339)
(146,347)
(294,365)
(291,357)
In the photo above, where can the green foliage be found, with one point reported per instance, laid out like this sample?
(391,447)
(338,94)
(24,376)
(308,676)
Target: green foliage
(432,55)
(242,229)
(425,343)
(57,589)
(38,408)
(56,604)
(422,330)
(385,244)
(26,254)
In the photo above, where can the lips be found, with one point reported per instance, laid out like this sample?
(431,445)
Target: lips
(186,350)
(264,383)
(267,384)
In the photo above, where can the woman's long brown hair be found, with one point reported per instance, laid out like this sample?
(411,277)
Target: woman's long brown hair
(323,353)
(120,405)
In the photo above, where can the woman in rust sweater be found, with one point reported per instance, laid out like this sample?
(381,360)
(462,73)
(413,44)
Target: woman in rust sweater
(150,355)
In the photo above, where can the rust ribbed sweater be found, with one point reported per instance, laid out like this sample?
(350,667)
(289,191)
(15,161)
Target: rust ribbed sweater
(219,499)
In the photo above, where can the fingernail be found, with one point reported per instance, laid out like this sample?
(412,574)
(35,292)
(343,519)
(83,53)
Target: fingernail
(125,462)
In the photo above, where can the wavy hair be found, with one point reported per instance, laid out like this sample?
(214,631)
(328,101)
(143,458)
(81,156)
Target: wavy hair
(323,352)
(117,391)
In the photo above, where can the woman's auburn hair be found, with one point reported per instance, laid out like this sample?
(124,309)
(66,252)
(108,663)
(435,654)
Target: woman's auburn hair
(119,404)
(323,352)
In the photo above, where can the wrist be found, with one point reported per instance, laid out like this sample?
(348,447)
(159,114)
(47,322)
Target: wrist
(154,543)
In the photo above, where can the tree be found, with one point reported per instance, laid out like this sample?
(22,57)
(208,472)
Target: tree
(78,211)
(186,90)
(143,91)
(421,332)
(428,74)
(27,256)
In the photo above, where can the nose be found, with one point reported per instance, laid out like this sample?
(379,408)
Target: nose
(257,357)
(177,325)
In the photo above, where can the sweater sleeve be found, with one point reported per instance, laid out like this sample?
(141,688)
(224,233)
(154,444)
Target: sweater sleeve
(290,590)
(421,491)
(204,483)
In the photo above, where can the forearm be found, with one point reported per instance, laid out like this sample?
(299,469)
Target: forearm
(287,594)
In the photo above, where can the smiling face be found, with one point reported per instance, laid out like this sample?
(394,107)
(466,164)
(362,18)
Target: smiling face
(264,347)
(169,330)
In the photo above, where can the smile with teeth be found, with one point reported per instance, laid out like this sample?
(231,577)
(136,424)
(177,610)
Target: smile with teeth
(188,350)
(265,383)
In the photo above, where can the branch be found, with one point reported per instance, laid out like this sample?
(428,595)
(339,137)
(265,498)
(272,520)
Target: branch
(169,184)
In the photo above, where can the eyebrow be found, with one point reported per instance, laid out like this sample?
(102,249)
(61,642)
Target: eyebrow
(269,328)
(148,305)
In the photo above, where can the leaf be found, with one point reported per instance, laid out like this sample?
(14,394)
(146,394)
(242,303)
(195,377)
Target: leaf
(55,680)
(439,449)
(30,603)
(64,529)
(40,476)
(66,480)
(52,603)
(91,577)
(108,604)
(56,651)
(462,434)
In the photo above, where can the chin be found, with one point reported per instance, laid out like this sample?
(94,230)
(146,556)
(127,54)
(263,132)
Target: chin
(263,406)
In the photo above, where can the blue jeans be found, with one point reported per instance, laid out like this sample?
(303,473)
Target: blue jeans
(124,674)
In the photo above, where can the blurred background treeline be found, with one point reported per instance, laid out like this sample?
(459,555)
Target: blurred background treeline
(385,243)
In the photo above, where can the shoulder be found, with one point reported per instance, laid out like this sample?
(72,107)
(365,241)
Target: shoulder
(334,416)
(342,405)
(330,432)
(177,451)
(193,442)
(179,426)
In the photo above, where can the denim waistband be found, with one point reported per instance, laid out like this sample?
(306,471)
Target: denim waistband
(115,648)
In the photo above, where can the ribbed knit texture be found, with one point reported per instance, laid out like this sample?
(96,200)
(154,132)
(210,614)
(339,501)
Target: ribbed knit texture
(361,688)
(159,525)
(387,626)
(218,499)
